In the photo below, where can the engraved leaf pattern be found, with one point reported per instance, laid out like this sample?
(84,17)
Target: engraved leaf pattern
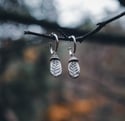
(74,69)
(55,67)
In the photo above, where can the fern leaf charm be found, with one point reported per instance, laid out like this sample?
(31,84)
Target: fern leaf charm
(73,67)
(55,65)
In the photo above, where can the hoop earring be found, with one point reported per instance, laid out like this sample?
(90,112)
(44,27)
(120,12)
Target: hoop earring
(55,64)
(73,63)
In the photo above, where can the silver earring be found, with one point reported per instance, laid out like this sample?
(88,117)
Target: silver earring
(73,64)
(55,64)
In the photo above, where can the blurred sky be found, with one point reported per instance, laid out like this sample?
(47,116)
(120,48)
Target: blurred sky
(70,13)
(73,12)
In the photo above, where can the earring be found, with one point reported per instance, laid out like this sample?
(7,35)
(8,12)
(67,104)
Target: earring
(55,64)
(73,64)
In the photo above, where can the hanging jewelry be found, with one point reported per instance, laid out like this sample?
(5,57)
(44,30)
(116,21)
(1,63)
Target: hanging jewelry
(73,64)
(55,64)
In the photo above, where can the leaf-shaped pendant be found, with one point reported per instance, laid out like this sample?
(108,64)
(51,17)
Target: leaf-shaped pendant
(55,65)
(73,67)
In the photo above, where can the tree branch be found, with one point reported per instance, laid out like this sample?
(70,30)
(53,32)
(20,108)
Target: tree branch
(26,19)
(83,37)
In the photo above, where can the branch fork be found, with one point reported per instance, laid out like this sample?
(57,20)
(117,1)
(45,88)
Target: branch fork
(83,37)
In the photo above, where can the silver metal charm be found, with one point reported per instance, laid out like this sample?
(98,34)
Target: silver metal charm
(73,64)
(55,64)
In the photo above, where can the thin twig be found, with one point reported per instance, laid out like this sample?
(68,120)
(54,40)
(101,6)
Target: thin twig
(83,37)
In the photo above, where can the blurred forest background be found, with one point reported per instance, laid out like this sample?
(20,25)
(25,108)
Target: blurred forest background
(27,90)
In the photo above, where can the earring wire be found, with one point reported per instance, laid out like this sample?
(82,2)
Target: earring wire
(56,45)
(74,50)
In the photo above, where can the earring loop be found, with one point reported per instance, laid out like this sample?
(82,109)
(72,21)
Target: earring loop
(56,45)
(74,50)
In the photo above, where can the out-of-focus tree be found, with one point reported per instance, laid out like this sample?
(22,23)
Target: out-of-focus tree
(122,2)
(25,86)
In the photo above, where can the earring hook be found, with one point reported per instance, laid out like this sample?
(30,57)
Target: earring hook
(56,45)
(74,50)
